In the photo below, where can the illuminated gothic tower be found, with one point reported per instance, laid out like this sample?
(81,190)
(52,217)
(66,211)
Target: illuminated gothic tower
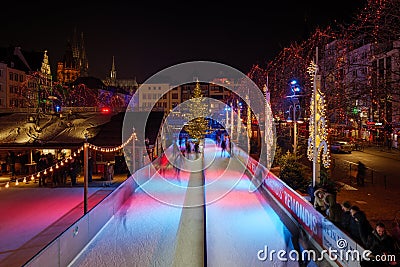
(74,63)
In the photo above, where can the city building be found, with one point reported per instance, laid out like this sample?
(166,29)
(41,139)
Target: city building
(74,62)
(127,85)
(367,75)
(25,80)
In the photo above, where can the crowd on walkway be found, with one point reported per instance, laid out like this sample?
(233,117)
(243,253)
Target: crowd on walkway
(354,222)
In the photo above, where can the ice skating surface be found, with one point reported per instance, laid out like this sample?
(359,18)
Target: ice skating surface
(147,230)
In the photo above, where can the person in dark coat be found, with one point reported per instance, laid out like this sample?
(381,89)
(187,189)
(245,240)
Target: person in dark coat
(223,147)
(90,169)
(361,172)
(11,158)
(360,228)
(380,243)
(334,212)
(73,170)
(346,217)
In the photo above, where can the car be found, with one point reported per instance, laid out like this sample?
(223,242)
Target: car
(341,147)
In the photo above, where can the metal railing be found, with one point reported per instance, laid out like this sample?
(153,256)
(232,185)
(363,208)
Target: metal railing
(346,171)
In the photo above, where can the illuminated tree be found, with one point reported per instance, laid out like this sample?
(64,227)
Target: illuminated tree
(349,57)
(197,125)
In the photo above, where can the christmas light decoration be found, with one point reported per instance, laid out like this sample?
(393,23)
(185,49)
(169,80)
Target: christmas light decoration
(197,124)
(318,137)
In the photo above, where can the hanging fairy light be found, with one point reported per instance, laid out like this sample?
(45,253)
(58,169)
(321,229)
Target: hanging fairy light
(61,162)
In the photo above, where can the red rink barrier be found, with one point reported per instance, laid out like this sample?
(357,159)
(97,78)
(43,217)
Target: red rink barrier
(327,235)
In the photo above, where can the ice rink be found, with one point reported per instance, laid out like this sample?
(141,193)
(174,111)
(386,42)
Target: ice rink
(175,221)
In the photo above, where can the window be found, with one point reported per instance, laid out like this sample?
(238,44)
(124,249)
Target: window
(364,71)
(388,66)
(1,87)
(1,102)
(11,76)
(174,96)
(11,89)
(21,78)
(16,77)
(144,96)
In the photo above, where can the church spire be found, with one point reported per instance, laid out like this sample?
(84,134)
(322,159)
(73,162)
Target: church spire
(84,63)
(113,73)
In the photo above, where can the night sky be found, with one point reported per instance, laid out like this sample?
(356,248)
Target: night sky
(146,37)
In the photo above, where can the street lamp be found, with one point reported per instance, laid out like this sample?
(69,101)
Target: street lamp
(85,171)
(294,111)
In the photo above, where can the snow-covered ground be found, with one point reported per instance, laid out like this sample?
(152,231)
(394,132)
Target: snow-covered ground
(146,231)
(16,128)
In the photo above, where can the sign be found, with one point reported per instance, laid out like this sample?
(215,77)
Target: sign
(299,208)
(345,249)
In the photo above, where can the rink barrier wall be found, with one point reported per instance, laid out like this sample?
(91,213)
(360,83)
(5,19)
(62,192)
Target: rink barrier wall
(69,244)
(322,231)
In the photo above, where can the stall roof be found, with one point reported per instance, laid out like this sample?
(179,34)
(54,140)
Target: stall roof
(22,130)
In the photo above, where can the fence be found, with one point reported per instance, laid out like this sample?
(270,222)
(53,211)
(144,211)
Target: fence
(346,171)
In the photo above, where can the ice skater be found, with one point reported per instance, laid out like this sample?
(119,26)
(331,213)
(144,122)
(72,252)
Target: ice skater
(223,148)
(178,164)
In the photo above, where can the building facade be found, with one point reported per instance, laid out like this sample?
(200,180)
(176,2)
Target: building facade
(74,62)
(368,75)
(25,80)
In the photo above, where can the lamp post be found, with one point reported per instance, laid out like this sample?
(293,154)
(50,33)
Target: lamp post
(85,172)
(294,112)
(227,117)
(239,120)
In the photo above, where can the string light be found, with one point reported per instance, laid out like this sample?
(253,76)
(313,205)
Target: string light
(60,163)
